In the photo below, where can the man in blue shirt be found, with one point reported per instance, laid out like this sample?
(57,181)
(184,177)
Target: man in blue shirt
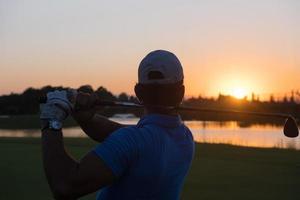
(147,161)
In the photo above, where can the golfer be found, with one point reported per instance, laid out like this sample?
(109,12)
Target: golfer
(149,160)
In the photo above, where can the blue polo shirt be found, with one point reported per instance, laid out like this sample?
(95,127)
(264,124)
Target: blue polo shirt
(150,160)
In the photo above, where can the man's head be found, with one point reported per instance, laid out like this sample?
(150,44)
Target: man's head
(160,80)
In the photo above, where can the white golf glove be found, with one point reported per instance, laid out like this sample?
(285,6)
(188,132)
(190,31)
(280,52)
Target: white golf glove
(59,105)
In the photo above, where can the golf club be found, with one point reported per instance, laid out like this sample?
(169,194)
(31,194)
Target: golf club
(290,127)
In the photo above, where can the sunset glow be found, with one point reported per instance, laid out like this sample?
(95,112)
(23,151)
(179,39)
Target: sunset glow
(239,93)
(224,46)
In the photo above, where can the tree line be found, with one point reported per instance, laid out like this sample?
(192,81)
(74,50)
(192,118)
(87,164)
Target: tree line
(27,103)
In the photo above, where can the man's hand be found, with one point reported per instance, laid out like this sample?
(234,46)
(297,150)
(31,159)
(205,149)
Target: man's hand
(58,106)
(84,106)
(85,100)
(64,99)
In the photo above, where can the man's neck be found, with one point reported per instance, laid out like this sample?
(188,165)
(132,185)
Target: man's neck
(162,111)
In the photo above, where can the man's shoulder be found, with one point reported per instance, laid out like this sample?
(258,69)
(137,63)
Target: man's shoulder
(127,131)
(136,132)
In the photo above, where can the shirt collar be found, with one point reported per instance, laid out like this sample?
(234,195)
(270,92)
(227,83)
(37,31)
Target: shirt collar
(160,120)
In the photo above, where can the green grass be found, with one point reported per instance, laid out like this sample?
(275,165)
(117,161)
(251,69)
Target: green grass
(218,171)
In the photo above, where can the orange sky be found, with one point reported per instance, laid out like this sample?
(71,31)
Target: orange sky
(224,46)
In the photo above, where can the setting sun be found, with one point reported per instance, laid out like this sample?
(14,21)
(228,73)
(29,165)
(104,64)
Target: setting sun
(239,93)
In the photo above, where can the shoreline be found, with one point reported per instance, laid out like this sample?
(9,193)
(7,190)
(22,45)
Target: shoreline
(33,122)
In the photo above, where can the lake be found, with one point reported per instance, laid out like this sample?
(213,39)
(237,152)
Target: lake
(265,136)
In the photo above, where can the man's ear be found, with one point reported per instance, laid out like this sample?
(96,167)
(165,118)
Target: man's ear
(183,91)
(180,93)
(138,92)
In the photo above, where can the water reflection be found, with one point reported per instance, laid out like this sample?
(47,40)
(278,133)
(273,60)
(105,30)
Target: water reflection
(266,136)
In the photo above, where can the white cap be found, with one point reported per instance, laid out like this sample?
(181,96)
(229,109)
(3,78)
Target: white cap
(161,67)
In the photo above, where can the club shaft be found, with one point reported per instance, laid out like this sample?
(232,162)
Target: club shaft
(186,108)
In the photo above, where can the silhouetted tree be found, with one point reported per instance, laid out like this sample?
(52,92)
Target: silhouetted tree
(86,89)
(272,99)
(123,97)
(285,99)
(253,97)
(292,98)
(104,94)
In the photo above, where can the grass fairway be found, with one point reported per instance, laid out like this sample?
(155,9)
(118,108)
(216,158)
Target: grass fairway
(218,171)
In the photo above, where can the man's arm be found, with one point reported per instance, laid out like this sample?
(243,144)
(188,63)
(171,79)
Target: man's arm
(69,179)
(94,125)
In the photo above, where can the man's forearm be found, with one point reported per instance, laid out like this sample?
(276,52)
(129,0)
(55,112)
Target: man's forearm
(58,165)
(96,126)
(67,178)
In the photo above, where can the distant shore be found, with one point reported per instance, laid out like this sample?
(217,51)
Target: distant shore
(33,122)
